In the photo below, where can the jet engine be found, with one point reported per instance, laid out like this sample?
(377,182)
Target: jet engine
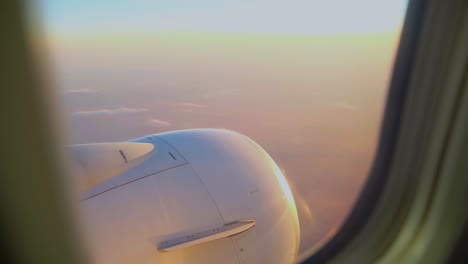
(188,196)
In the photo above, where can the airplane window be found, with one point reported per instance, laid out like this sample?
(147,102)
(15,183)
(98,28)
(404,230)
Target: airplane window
(305,80)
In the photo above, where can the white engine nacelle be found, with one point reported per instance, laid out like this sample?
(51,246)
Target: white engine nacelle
(189,196)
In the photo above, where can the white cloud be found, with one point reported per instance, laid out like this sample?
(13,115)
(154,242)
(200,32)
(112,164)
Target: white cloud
(158,123)
(120,110)
(193,105)
(78,91)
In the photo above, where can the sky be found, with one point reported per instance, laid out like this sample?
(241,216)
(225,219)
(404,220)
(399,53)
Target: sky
(241,16)
(307,80)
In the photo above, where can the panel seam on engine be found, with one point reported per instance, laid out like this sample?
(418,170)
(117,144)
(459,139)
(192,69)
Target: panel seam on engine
(200,178)
(146,176)
(234,246)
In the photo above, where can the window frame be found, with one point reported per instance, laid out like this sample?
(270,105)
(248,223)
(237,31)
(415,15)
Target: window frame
(423,107)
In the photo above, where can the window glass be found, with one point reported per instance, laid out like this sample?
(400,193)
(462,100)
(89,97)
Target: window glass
(305,79)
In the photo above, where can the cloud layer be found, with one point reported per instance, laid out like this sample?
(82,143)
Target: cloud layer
(158,123)
(120,110)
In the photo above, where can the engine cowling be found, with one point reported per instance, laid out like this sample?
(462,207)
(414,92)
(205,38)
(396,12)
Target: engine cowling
(198,196)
